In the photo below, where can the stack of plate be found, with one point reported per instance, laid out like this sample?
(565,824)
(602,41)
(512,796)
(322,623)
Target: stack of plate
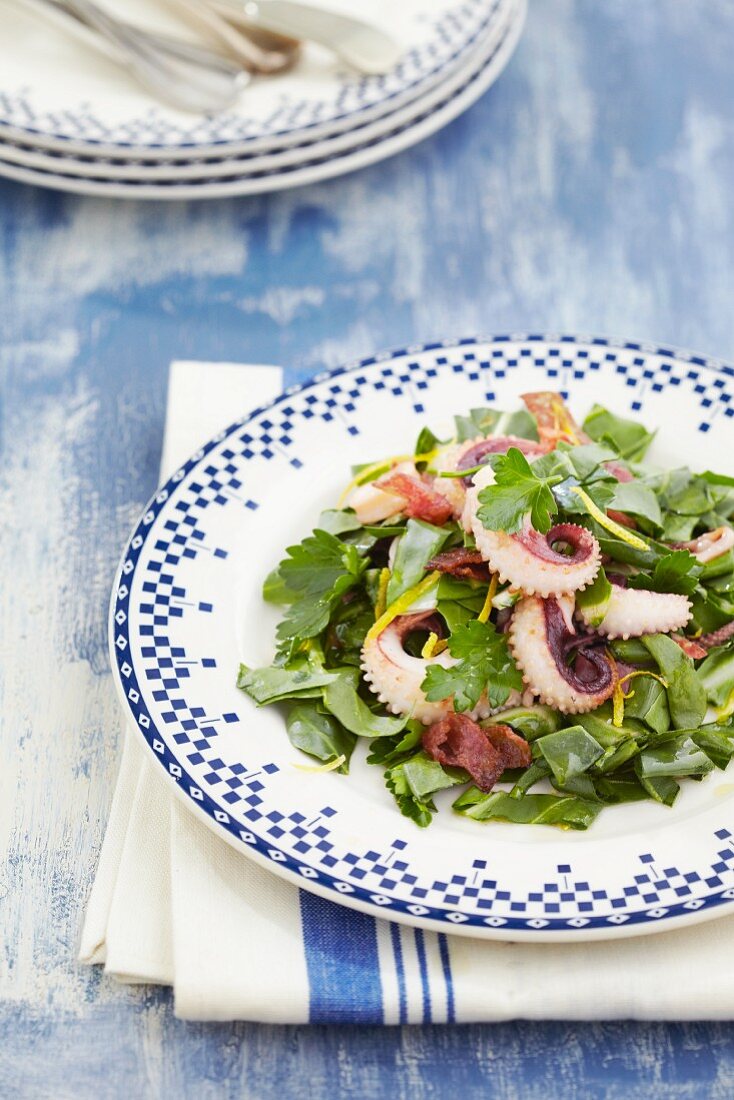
(72,120)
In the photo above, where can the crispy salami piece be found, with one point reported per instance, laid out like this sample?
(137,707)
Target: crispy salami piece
(514,749)
(456,741)
(461,562)
(421,501)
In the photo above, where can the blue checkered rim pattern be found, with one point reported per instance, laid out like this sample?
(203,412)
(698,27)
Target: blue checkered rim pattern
(456,34)
(383,879)
(491,65)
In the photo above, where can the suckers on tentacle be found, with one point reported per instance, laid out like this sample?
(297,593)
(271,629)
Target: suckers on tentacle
(541,634)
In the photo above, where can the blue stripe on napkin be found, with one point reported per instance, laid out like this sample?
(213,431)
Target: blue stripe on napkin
(342,963)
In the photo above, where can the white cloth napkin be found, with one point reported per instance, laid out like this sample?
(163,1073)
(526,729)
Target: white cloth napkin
(174,904)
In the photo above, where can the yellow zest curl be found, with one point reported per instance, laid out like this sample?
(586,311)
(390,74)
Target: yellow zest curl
(620,695)
(382,592)
(330,767)
(400,606)
(487,607)
(434,645)
(604,521)
(383,466)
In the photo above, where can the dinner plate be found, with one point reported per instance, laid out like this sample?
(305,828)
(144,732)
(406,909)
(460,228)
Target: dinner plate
(306,152)
(387,143)
(70,98)
(187,609)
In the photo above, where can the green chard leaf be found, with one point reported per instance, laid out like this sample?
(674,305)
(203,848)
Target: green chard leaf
(716,673)
(677,757)
(594,599)
(315,732)
(420,542)
(635,499)
(518,491)
(425,443)
(342,700)
(338,521)
(318,571)
(531,809)
(629,438)
(391,750)
(274,684)
(569,753)
(493,422)
(531,722)
(484,664)
(686,693)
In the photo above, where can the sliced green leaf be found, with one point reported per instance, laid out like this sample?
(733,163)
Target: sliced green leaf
(273,684)
(318,734)
(342,700)
(419,543)
(686,693)
(494,422)
(569,752)
(532,809)
(629,438)
(677,757)
(716,673)
(594,599)
(531,722)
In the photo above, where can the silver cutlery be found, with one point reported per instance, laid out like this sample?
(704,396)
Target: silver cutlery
(358,43)
(258,54)
(183,74)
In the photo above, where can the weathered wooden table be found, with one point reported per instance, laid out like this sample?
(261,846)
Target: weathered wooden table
(591,191)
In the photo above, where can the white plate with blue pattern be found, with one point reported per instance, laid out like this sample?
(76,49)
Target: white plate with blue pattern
(187,609)
(263,174)
(55,93)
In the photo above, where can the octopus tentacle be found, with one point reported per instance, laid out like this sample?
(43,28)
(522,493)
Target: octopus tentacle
(632,612)
(396,677)
(710,545)
(528,559)
(718,637)
(541,636)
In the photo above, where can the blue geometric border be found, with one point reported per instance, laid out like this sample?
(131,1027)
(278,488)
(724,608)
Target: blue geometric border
(665,890)
(291,115)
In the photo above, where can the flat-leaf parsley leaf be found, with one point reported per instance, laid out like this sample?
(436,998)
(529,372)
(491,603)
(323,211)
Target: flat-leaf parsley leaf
(517,492)
(318,571)
(484,664)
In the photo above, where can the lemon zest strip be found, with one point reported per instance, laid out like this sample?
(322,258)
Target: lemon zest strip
(434,645)
(604,521)
(382,592)
(487,606)
(400,605)
(619,693)
(368,473)
(330,767)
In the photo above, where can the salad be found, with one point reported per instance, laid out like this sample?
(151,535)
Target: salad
(528,612)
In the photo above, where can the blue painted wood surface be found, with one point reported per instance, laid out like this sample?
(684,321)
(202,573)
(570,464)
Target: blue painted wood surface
(590,190)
